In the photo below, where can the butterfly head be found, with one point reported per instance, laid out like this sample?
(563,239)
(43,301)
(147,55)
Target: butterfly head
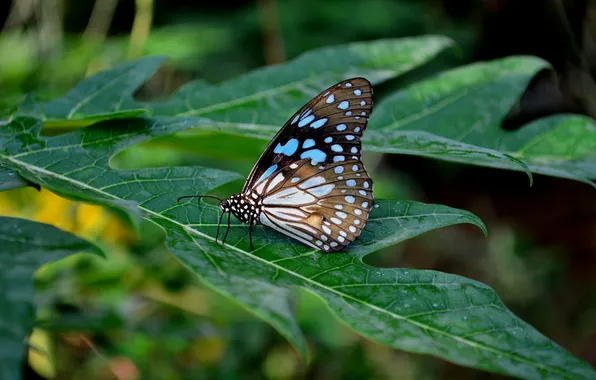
(225,205)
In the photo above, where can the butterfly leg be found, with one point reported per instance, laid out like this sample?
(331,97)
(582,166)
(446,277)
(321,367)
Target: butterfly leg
(227,229)
(250,226)
(218,224)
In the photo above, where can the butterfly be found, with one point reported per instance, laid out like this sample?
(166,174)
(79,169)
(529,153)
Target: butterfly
(309,183)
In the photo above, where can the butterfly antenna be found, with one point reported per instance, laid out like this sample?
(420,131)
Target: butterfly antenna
(227,229)
(199,197)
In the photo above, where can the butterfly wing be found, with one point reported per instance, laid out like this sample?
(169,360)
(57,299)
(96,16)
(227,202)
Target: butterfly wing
(314,187)
(323,207)
(328,127)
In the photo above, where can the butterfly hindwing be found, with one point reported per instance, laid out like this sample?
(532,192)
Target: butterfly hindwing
(325,207)
(326,129)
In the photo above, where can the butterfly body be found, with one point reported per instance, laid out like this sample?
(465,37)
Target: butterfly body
(310,183)
(246,207)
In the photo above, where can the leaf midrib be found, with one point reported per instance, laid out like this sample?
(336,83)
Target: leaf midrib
(246,98)
(98,92)
(189,230)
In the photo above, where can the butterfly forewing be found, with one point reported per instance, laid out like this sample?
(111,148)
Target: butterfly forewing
(326,129)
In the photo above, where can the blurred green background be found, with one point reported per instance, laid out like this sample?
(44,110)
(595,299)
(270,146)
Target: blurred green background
(140,315)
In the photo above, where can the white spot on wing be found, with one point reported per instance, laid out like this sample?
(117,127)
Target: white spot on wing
(289,196)
(321,190)
(336,148)
(286,213)
(260,188)
(314,181)
(330,99)
(350,199)
(275,181)
(343,105)
(341,127)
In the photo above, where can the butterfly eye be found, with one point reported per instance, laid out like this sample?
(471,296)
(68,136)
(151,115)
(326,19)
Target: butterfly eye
(224,205)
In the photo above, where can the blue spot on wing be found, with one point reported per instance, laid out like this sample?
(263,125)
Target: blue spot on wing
(306,120)
(269,171)
(314,154)
(319,123)
(308,143)
(288,149)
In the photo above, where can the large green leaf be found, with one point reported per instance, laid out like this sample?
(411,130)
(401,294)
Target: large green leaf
(25,247)
(259,100)
(465,106)
(454,116)
(422,311)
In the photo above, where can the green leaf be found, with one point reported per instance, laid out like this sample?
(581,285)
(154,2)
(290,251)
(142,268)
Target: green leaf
(10,179)
(104,96)
(259,101)
(420,311)
(456,116)
(26,246)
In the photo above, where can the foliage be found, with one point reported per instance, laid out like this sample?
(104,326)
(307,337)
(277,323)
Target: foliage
(26,246)
(447,117)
